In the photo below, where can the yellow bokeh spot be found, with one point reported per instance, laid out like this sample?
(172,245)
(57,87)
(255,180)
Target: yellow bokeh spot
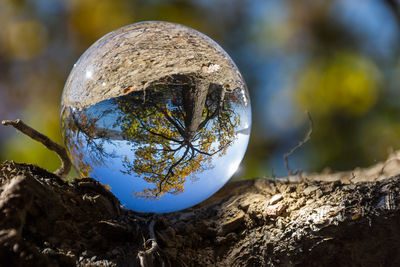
(94,18)
(346,84)
(25,39)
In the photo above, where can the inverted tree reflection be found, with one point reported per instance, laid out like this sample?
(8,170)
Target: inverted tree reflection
(175,128)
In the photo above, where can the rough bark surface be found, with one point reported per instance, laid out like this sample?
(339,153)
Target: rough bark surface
(320,220)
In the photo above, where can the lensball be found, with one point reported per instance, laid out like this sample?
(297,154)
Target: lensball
(158,113)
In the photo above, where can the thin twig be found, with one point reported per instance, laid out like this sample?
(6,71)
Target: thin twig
(301,143)
(32,133)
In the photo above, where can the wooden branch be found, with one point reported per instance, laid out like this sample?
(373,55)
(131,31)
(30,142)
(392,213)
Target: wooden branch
(47,142)
(323,220)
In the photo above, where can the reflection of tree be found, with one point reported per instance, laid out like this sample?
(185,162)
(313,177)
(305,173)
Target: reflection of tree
(84,143)
(176,127)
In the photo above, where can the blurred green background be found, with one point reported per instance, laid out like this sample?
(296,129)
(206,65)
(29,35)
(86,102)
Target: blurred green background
(338,59)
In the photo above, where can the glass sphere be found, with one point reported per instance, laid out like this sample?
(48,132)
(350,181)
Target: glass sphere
(158,113)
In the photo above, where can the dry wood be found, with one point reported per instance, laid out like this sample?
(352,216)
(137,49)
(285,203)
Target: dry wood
(47,142)
(322,220)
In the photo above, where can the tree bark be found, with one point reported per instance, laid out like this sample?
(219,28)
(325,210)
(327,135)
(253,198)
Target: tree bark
(343,219)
